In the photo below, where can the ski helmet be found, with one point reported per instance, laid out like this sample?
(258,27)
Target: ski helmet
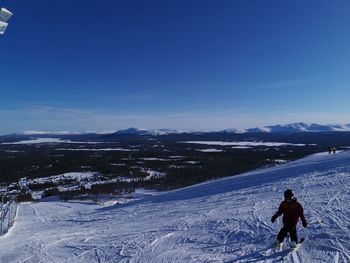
(288,194)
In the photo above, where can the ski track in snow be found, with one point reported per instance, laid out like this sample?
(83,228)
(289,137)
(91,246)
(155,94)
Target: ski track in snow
(227,220)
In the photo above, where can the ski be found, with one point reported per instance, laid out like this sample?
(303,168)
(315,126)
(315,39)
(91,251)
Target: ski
(270,250)
(299,244)
(296,248)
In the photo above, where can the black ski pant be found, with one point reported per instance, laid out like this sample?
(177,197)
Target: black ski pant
(292,230)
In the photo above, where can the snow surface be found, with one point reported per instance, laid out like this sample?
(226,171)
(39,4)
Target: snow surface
(79,176)
(241,147)
(226,220)
(154,159)
(153,174)
(210,150)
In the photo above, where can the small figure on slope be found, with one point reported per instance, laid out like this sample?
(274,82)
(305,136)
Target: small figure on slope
(292,211)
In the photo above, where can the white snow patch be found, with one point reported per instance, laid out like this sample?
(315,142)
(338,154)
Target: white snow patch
(154,159)
(241,147)
(152,173)
(210,150)
(191,162)
(79,176)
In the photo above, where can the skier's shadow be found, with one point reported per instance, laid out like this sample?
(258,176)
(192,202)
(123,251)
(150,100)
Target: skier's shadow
(258,257)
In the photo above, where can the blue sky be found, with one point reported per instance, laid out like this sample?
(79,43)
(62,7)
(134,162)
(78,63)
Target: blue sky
(182,64)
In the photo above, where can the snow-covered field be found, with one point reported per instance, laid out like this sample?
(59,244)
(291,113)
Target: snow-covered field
(226,220)
(210,150)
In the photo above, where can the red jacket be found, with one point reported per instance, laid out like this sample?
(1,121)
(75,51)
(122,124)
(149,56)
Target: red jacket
(292,211)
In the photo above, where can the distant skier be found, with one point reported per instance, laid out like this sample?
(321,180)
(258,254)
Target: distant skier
(292,211)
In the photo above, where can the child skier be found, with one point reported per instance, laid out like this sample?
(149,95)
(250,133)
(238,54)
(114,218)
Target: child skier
(292,211)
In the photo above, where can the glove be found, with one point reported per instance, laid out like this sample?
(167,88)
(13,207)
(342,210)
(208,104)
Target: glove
(273,219)
(304,224)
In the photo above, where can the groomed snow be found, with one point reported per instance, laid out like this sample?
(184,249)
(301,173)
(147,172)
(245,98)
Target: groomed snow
(227,220)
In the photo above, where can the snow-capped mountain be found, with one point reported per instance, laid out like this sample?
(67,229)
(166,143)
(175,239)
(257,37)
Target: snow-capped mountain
(165,131)
(300,127)
(135,131)
(287,128)
(233,131)
(303,127)
(226,220)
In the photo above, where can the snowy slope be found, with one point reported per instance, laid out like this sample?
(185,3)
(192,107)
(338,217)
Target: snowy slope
(226,220)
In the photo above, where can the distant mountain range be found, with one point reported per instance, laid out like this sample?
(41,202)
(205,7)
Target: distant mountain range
(288,128)
(295,128)
(135,131)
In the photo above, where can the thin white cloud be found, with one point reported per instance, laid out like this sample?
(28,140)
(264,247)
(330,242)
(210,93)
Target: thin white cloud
(120,97)
(288,83)
(295,82)
(50,109)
